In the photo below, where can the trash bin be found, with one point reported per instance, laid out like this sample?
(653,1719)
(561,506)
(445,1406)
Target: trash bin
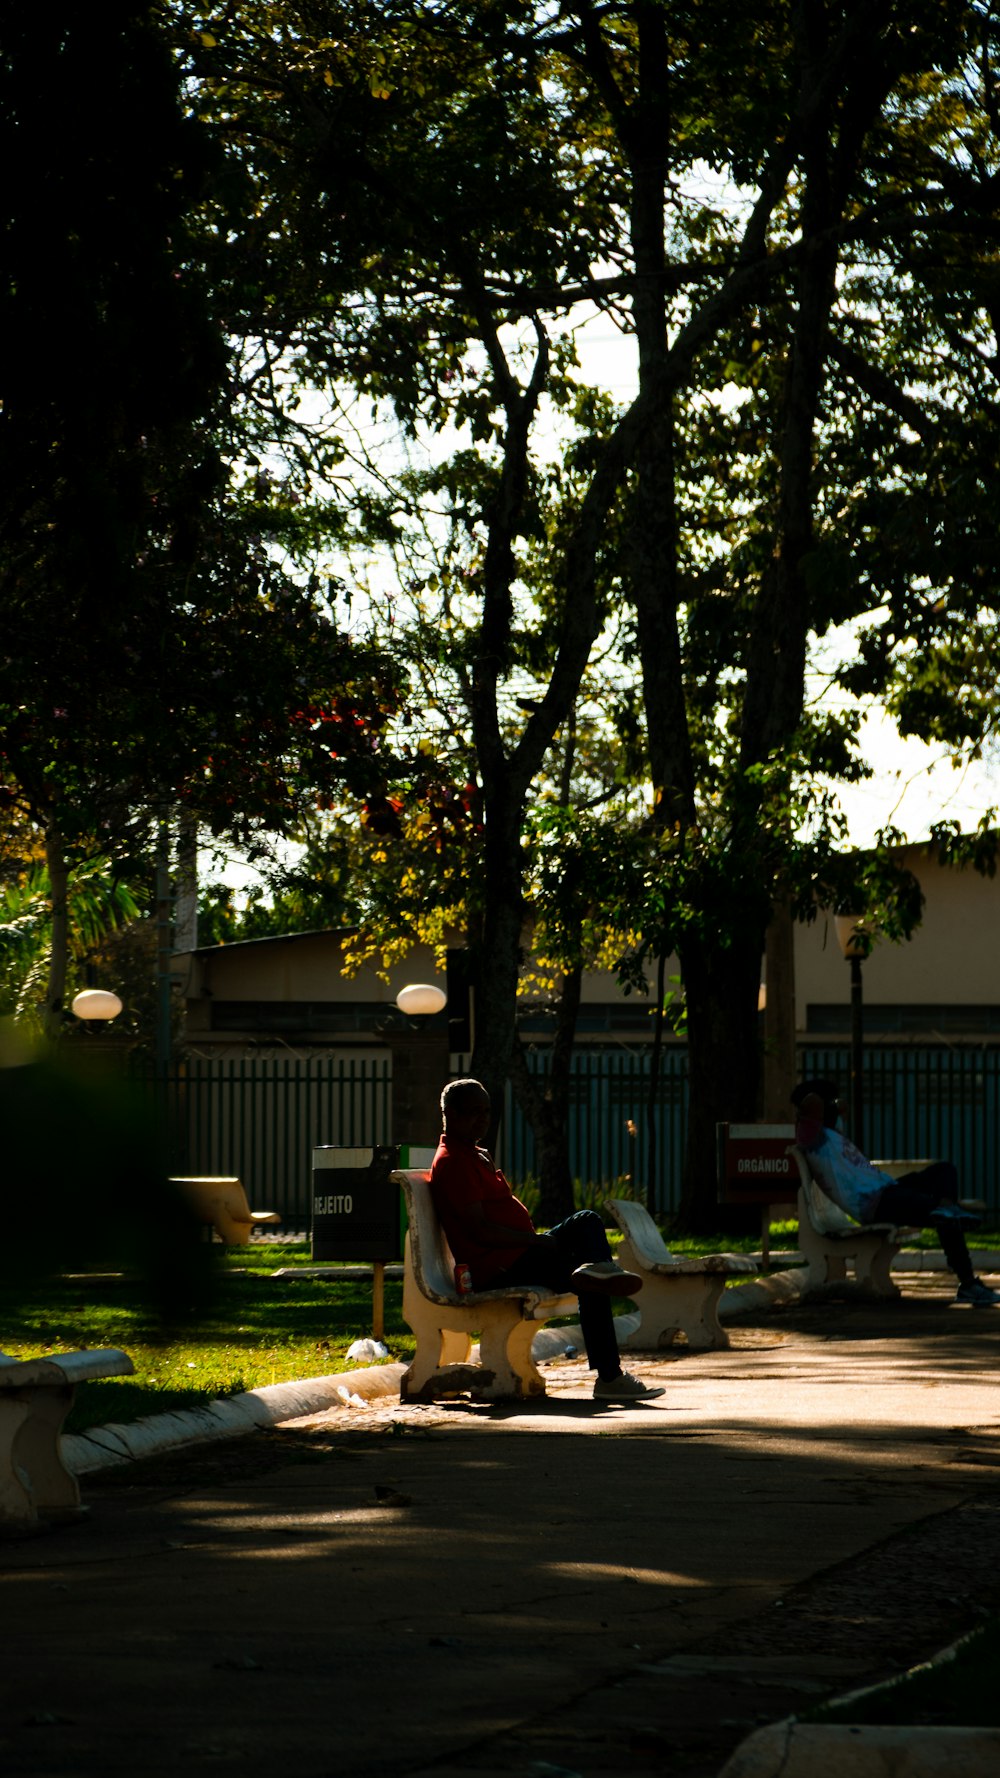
(357,1210)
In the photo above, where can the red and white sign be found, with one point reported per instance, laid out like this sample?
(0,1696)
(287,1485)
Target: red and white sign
(754,1164)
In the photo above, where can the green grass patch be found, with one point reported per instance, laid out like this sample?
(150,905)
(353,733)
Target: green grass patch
(785,1235)
(256,1331)
(957,1693)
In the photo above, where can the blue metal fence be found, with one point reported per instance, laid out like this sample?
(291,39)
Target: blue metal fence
(608,1122)
(261,1118)
(940,1103)
(932,1101)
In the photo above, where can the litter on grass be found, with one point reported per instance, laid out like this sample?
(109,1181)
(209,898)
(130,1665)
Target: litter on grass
(367,1351)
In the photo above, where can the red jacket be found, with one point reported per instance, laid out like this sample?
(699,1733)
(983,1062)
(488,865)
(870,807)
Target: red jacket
(463,1174)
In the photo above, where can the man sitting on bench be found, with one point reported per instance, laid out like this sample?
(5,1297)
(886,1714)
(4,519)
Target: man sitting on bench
(491,1232)
(927,1197)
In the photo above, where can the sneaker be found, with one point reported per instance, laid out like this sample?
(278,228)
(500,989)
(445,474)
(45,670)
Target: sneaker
(977,1293)
(624,1387)
(606,1275)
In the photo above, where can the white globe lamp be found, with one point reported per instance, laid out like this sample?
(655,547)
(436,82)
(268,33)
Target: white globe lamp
(96,1003)
(421,1000)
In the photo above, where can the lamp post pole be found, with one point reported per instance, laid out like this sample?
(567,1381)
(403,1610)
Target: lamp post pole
(857,1055)
(855,943)
(419,1071)
(164,949)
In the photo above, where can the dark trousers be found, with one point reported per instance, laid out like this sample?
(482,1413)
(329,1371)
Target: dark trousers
(915,1199)
(551,1260)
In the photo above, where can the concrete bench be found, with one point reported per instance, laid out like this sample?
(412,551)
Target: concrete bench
(828,1238)
(36,1394)
(220,1202)
(678,1295)
(444,1322)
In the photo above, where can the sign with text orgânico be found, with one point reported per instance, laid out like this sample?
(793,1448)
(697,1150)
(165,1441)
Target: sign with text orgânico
(754,1164)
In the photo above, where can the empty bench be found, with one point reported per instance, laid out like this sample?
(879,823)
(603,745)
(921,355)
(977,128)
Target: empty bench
(678,1296)
(221,1204)
(828,1239)
(444,1321)
(36,1394)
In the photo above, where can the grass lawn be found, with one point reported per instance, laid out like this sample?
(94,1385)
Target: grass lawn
(257,1330)
(958,1693)
(785,1235)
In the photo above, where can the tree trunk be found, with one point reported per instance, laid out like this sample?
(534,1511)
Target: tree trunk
(779,1017)
(186,900)
(547,1107)
(722,968)
(497,966)
(723,1062)
(54,1016)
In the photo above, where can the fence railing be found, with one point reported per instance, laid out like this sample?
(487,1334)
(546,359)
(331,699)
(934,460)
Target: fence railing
(609,1124)
(261,1118)
(940,1102)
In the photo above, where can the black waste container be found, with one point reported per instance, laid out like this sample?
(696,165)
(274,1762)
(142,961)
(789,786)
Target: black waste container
(357,1209)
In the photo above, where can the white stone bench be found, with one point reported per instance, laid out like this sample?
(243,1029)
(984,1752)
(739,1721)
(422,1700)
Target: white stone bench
(36,1394)
(828,1239)
(220,1203)
(444,1322)
(678,1295)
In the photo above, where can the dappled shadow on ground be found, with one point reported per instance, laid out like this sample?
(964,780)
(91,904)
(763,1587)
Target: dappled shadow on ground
(461,1587)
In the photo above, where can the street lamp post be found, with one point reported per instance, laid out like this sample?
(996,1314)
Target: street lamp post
(417,1063)
(855,943)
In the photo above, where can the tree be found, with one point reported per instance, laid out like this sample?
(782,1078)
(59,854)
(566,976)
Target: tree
(156,651)
(733,189)
(465,283)
(860,136)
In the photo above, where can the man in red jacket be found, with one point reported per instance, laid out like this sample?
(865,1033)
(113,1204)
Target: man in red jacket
(491,1232)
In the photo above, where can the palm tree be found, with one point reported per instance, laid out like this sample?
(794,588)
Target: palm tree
(97,904)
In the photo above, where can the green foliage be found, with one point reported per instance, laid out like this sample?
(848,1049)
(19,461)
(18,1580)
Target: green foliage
(99,904)
(395,216)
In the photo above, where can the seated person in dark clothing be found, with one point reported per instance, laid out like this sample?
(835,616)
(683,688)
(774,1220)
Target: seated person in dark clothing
(926,1198)
(491,1232)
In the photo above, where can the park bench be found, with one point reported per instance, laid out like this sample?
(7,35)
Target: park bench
(678,1295)
(444,1321)
(828,1239)
(220,1203)
(36,1394)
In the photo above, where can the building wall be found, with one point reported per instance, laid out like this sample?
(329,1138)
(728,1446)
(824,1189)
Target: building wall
(952,960)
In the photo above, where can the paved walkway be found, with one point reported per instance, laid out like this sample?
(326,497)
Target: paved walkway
(575,1589)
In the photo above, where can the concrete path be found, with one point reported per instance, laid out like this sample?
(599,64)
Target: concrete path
(575,1589)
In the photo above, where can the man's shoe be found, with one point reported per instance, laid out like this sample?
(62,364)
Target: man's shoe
(624,1387)
(606,1275)
(978,1294)
(955,1213)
